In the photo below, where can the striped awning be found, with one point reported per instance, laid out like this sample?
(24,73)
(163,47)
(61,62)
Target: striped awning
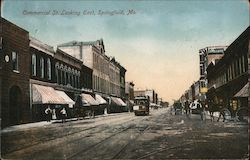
(121,102)
(118,101)
(68,100)
(88,100)
(45,95)
(99,99)
(115,101)
(244,92)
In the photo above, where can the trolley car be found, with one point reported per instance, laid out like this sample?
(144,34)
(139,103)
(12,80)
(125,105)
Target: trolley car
(141,106)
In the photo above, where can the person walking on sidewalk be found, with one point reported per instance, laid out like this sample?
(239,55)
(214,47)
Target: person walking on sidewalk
(64,114)
(48,113)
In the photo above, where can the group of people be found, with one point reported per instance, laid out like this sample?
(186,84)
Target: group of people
(200,108)
(48,113)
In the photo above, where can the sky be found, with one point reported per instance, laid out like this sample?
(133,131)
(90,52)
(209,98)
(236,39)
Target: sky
(158,42)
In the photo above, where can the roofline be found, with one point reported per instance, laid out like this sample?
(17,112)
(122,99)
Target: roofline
(68,55)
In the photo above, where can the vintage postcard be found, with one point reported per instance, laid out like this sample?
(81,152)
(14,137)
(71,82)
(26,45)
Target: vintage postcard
(124,79)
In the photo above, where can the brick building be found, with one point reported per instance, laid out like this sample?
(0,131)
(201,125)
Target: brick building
(208,55)
(228,84)
(14,74)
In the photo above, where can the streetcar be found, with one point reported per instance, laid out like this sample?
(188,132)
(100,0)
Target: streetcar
(141,106)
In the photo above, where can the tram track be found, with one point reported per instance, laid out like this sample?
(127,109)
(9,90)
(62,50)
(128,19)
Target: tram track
(78,137)
(118,155)
(131,126)
(61,137)
(162,150)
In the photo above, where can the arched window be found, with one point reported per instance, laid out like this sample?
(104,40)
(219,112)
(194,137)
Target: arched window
(48,69)
(33,67)
(57,73)
(73,78)
(65,75)
(42,67)
(69,75)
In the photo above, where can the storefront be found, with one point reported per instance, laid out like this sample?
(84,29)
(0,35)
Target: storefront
(103,104)
(43,97)
(116,105)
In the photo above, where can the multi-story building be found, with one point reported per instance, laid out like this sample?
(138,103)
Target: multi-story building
(208,55)
(108,77)
(14,74)
(129,91)
(92,54)
(54,81)
(33,76)
(153,96)
(228,83)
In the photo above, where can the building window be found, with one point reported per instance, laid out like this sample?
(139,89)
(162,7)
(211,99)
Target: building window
(78,79)
(240,66)
(33,69)
(14,61)
(243,64)
(42,67)
(57,76)
(48,69)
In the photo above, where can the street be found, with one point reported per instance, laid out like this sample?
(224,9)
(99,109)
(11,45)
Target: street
(161,135)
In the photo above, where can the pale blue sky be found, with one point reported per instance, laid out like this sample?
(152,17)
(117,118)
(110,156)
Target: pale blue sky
(158,45)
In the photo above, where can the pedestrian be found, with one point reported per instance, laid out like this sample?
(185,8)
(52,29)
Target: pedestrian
(48,113)
(187,109)
(64,114)
(222,113)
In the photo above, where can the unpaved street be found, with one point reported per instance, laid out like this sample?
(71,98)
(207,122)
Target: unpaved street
(125,136)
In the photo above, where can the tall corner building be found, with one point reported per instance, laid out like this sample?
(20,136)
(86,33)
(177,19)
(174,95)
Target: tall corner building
(211,54)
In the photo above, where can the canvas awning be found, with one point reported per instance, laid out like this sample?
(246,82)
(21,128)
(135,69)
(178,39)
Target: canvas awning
(244,92)
(118,101)
(88,100)
(121,102)
(45,95)
(115,101)
(100,100)
(68,100)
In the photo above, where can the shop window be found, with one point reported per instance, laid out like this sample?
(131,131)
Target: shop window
(15,61)
(33,67)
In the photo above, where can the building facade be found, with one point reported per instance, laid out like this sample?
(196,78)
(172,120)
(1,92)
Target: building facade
(108,77)
(14,74)
(208,55)
(228,79)
(153,96)
(129,93)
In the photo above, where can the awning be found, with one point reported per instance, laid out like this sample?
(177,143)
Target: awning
(68,100)
(121,102)
(100,100)
(244,92)
(45,95)
(118,101)
(115,101)
(88,100)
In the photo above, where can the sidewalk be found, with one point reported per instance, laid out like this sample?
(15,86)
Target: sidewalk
(45,123)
